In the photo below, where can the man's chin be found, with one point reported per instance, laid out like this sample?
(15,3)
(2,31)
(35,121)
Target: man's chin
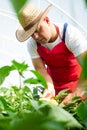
(43,42)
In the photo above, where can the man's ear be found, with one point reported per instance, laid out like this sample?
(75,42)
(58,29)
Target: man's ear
(47,19)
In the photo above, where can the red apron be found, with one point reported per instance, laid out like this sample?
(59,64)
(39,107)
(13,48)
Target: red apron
(61,65)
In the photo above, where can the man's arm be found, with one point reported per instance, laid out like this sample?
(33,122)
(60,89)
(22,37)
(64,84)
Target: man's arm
(40,67)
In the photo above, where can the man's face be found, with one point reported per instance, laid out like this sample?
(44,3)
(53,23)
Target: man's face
(43,35)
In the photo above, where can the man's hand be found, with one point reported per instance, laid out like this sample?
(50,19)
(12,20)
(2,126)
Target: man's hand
(79,92)
(67,99)
(48,93)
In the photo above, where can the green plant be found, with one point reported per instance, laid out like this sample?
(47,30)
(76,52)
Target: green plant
(20,106)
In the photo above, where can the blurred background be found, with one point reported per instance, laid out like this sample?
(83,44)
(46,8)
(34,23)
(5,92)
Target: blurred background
(71,11)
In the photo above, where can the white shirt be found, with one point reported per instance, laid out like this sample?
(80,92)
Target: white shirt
(74,41)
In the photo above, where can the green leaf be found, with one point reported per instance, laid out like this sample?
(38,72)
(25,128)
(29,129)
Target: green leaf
(61,116)
(20,67)
(6,104)
(82,110)
(62,94)
(32,81)
(34,104)
(5,123)
(40,78)
(4,72)
(47,117)
(17,4)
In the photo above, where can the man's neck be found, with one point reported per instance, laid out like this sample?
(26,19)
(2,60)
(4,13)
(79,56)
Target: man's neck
(55,31)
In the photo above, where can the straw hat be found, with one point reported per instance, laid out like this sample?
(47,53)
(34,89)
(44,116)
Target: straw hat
(29,17)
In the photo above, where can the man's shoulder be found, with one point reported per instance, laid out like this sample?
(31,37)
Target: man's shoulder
(31,40)
(31,43)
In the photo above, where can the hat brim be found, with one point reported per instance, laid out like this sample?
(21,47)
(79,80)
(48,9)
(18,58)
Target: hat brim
(23,35)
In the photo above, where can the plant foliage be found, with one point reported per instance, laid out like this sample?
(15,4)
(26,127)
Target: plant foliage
(21,107)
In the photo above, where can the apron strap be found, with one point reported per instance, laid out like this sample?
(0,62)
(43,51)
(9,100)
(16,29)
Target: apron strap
(64,31)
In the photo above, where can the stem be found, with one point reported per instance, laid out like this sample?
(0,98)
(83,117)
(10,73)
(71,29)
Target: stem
(20,93)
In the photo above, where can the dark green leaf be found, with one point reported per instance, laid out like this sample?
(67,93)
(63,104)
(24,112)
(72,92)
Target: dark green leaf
(85,68)
(82,110)
(85,2)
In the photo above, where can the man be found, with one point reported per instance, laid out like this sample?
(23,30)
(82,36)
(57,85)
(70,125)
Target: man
(57,50)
